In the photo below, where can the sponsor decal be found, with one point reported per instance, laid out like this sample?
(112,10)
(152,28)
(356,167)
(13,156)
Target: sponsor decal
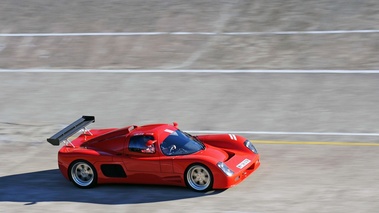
(138,133)
(169,131)
(243,163)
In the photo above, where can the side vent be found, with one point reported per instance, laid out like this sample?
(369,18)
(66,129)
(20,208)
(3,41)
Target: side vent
(113,170)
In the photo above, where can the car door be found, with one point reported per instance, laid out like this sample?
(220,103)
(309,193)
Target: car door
(142,163)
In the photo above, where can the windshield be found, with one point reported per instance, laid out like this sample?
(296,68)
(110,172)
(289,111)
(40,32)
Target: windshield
(181,143)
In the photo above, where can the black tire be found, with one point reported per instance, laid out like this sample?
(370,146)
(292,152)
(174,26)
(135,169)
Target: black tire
(198,177)
(83,174)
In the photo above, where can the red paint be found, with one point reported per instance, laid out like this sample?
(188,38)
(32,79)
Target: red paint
(110,146)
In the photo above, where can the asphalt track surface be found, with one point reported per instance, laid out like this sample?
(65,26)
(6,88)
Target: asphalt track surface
(347,35)
(294,177)
(299,172)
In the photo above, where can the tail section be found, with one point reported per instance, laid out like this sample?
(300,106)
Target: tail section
(70,130)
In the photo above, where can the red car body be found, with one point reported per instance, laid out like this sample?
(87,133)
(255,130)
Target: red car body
(112,156)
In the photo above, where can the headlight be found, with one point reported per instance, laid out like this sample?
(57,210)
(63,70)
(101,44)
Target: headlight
(225,169)
(250,146)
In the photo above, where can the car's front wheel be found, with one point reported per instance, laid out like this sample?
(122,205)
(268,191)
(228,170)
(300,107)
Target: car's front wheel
(83,174)
(199,178)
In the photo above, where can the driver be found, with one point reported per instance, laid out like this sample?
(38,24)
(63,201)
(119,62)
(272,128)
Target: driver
(149,149)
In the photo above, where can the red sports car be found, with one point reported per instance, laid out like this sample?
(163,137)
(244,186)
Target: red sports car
(153,154)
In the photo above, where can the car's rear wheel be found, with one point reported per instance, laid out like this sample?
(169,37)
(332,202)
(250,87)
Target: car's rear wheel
(83,174)
(199,178)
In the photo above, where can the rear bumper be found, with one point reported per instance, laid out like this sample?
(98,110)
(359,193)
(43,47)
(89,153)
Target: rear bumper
(227,182)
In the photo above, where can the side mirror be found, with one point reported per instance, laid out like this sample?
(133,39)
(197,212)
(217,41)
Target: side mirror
(175,124)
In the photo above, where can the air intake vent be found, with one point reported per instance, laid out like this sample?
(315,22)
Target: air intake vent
(113,170)
(230,155)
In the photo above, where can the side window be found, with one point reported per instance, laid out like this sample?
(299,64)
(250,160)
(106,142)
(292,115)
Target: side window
(138,144)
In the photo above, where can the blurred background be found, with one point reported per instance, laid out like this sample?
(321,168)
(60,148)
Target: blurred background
(216,51)
(60,60)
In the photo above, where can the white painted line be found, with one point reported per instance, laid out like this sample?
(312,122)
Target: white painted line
(284,133)
(81,34)
(304,32)
(312,32)
(189,71)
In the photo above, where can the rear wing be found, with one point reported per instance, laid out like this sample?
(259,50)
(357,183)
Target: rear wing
(71,129)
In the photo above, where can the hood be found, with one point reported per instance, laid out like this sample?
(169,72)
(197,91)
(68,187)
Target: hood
(215,153)
(224,141)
